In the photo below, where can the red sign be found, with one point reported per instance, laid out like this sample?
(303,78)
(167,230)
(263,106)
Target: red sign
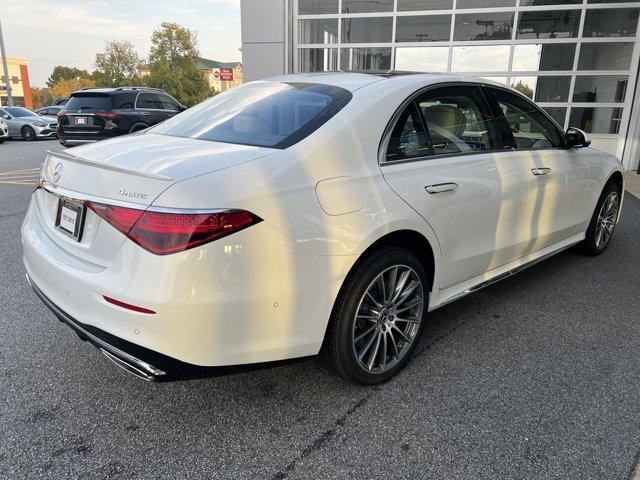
(226,74)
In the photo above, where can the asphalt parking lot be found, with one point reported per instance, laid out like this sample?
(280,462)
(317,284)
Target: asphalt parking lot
(534,377)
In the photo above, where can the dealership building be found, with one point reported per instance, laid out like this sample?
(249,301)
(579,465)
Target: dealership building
(577,59)
(19,81)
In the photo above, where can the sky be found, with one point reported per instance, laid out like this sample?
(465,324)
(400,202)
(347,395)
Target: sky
(70,32)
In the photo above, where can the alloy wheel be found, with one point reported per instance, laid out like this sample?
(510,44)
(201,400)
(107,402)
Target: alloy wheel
(607,218)
(388,319)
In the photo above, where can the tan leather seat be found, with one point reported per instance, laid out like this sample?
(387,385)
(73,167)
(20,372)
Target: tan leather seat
(446,125)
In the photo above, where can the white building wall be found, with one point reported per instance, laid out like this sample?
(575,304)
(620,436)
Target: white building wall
(264,38)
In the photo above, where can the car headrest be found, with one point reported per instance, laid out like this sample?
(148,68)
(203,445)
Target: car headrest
(249,124)
(447,117)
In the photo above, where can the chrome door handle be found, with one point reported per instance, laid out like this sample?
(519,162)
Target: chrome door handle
(540,171)
(441,187)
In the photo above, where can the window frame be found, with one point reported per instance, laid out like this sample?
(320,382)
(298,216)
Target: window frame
(490,102)
(508,133)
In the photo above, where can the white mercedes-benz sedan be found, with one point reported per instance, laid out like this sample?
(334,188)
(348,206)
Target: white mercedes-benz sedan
(308,214)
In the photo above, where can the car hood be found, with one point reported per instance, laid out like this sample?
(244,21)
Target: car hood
(38,118)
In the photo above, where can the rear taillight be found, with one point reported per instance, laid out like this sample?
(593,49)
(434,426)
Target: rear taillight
(107,115)
(163,233)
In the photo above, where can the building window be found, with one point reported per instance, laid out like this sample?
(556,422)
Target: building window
(417,5)
(483,26)
(615,22)
(425,59)
(544,57)
(490,58)
(605,56)
(552,89)
(531,3)
(317,7)
(598,120)
(366,6)
(485,3)
(367,30)
(317,59)
(372,59)
(600,88)
(549,24)
(318,30)
(424,28)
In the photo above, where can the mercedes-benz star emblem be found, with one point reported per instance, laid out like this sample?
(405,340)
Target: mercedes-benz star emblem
(57,171)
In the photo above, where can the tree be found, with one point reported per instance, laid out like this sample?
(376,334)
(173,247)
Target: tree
(66,73)
(117,65)
(64,87)
(523,88)
(173,64)
(41,97)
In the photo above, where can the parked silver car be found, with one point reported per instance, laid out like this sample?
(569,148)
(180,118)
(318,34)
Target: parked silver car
(26,124)
(51,111)
(4,130)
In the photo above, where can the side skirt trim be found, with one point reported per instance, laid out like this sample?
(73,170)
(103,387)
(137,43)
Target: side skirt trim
(502,276)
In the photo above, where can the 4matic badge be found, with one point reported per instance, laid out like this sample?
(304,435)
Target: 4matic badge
(126,193)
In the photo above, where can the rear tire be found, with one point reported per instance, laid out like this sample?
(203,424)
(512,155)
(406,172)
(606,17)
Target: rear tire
(603,222)
(28,133)
(377,318)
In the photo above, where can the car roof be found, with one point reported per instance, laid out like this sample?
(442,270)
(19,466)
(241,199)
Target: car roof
(107,90)
(353,80)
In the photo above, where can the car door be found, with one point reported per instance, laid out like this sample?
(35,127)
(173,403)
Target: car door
(445,159)
(151,108)
(557,176)
(170,106)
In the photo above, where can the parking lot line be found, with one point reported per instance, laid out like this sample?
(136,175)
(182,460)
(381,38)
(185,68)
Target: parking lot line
(26,176)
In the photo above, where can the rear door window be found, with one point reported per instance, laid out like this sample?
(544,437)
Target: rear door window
(149,101)
(168,103)
(458,120)
(408,139)
(80,103)
(268,114)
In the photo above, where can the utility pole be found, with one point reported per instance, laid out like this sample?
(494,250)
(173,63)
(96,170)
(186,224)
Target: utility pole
(6,69)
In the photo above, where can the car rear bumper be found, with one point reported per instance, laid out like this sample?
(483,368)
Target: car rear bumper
(121,352)
(143,362)
(224,304)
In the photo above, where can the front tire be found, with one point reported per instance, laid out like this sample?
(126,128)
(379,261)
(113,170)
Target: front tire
(603,222)
(377,318)
(28,133)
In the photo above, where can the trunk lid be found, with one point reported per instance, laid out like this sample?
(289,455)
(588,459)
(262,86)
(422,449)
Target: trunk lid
(137,168)
(134,169)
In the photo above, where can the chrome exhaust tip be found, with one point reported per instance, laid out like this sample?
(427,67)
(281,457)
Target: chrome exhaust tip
(129,367)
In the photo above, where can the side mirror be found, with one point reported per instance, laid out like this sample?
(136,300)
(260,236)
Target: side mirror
(576,138)
(182,108)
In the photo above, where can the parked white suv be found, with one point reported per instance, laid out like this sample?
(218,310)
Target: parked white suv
(318,213)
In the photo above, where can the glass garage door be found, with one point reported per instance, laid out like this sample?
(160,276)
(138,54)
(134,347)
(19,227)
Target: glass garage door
(576,58)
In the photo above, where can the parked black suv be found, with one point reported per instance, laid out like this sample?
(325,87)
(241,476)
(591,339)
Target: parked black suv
(93,114)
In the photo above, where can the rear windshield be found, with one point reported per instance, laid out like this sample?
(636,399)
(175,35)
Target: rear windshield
(87,103)
(264,114)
